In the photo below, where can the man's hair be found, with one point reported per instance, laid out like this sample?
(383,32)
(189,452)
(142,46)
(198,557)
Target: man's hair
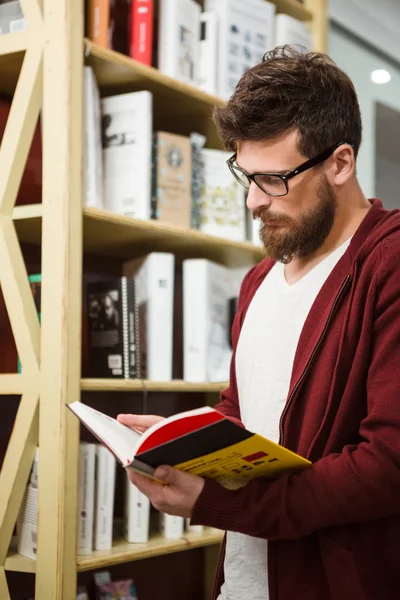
(292,90)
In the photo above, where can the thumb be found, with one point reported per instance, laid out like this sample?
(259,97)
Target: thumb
(165,474)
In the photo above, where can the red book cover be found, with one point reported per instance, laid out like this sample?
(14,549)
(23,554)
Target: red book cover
(142,31)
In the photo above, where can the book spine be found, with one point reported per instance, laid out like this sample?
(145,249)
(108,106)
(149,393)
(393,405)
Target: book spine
(171,527)
(105,487)
(137,515)
(142,31)
(87,457)
(208,52)
(197,142)
(125,327)
(93,169)
(98,18)
(27,523)
(160,273)
(154,176)
(193,528)
(195,323)
(132,349)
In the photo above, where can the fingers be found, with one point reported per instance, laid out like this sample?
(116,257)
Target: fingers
(140,422)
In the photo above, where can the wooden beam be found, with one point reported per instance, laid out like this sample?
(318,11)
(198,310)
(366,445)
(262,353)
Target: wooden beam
(319,24)
(32,11)
(4,593)
(14,42)
(18,298)
(61,298)
(20,127)
(16,468)
(11,383)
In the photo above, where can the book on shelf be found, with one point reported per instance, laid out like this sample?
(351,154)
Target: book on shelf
(178,44)
(197,142)
(127,153)
(193,528)
(86,497)
(93,160)
(154,283)
(142,31)
(171,179)
(113,330)
(104,498)
(171,527)
(200,441)
(108,23)
(222,211)
(245,33)
(27,521)
(292,31)
(206,349)
(208,52)
(11,17)
(136,515)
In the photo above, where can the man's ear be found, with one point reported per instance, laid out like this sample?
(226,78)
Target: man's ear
(343,165)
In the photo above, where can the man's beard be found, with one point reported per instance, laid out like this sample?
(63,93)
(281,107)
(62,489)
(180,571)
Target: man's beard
(303,236)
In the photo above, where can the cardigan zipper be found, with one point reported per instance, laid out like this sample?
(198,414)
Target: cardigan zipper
(311,359)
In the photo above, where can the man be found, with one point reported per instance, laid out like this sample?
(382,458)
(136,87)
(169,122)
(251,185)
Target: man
(316,352)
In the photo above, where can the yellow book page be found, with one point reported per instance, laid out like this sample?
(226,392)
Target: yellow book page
(235,465)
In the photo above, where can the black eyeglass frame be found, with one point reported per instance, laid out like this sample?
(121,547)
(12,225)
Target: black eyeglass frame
(308,164)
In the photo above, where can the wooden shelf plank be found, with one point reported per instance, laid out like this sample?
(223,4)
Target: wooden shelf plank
(109,234)
(157,546)
(123,552)
(137,385)
(115,70)
(17,562)
(294,8)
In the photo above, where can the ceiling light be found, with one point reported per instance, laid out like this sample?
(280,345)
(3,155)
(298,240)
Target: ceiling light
(381,76)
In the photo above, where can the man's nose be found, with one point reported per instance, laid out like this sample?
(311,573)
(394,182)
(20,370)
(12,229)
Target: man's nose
(256,198)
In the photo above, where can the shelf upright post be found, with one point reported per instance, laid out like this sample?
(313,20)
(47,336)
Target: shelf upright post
(61,298)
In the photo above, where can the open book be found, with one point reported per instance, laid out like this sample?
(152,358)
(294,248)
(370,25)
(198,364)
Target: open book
(201,441)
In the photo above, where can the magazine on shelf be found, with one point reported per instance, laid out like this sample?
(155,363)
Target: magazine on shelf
(201,441)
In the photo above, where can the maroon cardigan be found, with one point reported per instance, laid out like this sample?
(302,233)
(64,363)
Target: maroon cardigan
(334,528)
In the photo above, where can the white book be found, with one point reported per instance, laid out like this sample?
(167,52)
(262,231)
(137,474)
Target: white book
(154,276)
(27,522)
(87,461)
(222,211)
(246,32)
(178,49)
(127,126)
(93,157)
(208,52)
(104,504)
(171,527)
(292,31)
(137,515)
(194,528)
(206,336)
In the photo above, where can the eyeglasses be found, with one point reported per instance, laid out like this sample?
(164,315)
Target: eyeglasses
(276,184)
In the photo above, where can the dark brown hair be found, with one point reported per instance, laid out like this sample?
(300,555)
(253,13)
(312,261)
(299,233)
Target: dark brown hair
(290,90)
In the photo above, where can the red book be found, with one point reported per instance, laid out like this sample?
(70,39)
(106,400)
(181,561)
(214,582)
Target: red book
(142,31)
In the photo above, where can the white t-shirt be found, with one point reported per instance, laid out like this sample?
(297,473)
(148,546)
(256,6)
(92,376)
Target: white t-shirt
(264,360)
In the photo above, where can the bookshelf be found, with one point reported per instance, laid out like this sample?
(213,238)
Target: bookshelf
(42,67)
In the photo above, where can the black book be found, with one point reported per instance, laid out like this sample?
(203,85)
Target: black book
(113,328)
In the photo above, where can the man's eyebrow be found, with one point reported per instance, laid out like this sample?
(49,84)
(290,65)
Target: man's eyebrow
(282,172)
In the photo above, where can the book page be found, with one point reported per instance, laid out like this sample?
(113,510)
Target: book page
(119,439)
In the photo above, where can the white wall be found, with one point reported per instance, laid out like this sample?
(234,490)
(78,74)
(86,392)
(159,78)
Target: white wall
(359,62)
(377,22)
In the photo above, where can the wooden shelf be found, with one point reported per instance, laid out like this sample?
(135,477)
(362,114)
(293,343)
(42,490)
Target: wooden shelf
(17,562)
(122,552)
(138,385)
(295,9)
(109,234)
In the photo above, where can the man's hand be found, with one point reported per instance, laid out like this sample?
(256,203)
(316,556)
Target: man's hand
(139,422)
(176,496)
